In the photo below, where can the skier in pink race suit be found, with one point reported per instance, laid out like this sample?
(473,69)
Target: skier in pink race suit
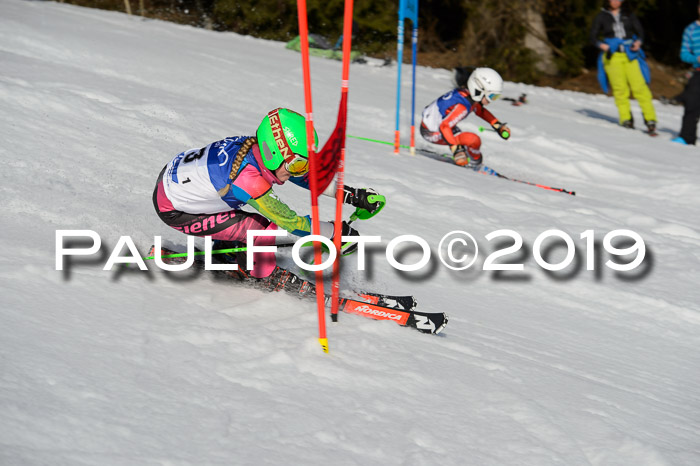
(201,191)
(440,118)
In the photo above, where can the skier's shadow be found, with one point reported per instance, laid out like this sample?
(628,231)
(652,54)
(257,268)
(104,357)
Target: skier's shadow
(601,116)
(593,114)
(425,273)
(434,155)
(98,259)
(70,261)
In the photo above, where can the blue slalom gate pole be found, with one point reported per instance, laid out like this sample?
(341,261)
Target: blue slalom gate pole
(399,59)
(414,41)
(407,9)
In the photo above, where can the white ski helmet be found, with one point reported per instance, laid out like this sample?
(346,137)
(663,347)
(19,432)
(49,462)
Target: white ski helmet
(485,82)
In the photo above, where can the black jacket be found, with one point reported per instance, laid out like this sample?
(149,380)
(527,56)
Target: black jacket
(603,24)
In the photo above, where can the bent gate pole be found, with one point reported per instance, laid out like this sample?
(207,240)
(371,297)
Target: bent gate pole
(313,181)
(340,177)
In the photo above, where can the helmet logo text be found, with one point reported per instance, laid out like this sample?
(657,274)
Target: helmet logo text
(278,134)
(290,136)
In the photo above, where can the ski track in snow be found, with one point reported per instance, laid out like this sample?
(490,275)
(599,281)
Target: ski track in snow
(575,367)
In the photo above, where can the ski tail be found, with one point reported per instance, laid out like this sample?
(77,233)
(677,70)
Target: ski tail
(399,309)
(283,280)
(169,256)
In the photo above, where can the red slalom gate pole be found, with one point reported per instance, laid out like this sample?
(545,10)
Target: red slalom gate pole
(340,176)
(313,181)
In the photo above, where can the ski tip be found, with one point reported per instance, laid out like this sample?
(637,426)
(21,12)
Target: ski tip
(152,253)
(324,344)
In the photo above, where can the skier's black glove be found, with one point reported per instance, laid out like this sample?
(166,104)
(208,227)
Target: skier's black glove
(349,247)
(502,130)
(358,198)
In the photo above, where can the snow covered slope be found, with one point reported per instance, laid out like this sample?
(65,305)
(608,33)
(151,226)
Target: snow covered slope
(105,368)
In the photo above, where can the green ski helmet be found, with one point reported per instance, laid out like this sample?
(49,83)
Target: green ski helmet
(282,139)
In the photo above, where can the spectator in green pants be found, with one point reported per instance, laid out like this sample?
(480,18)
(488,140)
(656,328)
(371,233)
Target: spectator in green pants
(622,39)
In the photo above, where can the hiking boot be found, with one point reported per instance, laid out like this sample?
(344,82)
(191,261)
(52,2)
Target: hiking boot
(651,126)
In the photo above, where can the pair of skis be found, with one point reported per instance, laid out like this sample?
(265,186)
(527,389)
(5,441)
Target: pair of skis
(484,170)
(398,309)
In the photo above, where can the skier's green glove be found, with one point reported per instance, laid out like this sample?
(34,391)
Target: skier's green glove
(368,201)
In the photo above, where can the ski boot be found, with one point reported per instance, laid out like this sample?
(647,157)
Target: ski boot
(459,154)
(475,158)
(282,279)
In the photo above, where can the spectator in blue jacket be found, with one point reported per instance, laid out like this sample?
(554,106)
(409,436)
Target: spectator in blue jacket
(690,53)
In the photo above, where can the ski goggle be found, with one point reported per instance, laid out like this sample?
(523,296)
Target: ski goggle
(493,97)
(297,165)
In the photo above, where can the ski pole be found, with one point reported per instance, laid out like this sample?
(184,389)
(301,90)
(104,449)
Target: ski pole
(378,141)
(504,135)
(482,129)
(484,170)
(359,213)
(200,253)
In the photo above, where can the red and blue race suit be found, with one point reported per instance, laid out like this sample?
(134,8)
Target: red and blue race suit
(440,119)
